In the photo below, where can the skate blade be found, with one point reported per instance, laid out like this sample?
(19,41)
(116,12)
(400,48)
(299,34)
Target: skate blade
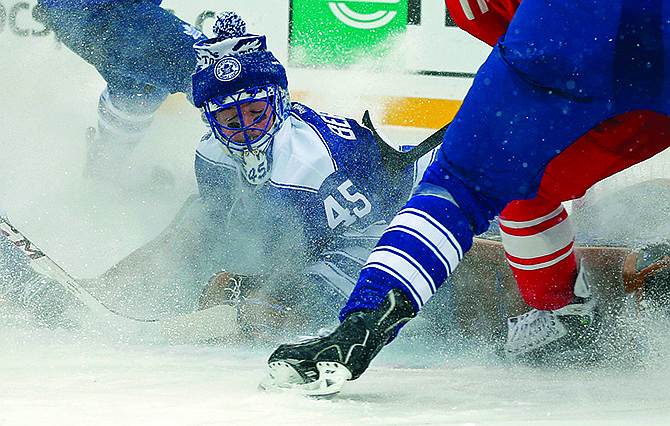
(284,378)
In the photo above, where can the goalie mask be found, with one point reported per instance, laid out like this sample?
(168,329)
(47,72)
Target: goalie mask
(243,91)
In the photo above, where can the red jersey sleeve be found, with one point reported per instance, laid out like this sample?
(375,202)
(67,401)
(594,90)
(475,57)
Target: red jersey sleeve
(485,19)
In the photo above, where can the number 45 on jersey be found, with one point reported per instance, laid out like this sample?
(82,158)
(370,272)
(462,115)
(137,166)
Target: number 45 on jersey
(346,205)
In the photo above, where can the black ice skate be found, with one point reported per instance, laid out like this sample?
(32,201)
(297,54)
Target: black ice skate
(321,366)
(542,336)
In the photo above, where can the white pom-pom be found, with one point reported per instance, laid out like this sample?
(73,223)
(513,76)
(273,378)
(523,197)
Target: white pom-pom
(229,25)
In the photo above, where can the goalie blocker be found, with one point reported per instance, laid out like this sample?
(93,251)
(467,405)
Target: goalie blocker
(261,313)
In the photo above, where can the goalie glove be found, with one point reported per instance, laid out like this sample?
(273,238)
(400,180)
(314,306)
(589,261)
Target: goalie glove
(261,316)
(647,274)
(223,288)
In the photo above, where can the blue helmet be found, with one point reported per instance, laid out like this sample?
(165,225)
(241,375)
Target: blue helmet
(236,75)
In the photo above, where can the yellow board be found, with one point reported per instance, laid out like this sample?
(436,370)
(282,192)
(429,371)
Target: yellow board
(402,111)
(419,112)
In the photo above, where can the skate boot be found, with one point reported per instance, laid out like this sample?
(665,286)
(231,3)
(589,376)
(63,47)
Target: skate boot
(542,336)
(321,366)
(30,291)
(48,301)
(40,296)
(108,161)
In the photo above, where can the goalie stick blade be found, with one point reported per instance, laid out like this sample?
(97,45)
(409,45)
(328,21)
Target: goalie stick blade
(217,322)
(284,378)
(394,161)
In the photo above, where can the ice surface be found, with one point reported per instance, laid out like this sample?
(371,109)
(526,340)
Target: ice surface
(111,372)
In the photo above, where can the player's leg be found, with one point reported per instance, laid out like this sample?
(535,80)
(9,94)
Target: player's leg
(539,245)
(123,121)
(417,252)
(135,39)
(493,152)
(537,233)
(538,237)
(144,53)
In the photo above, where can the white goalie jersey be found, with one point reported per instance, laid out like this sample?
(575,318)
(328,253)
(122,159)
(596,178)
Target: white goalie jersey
(319,215)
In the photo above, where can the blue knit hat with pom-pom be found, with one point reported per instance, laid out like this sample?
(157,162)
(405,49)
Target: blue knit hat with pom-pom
(229,25)
(233,60)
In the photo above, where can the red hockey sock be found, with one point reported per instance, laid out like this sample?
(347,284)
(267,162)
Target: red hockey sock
(538,240)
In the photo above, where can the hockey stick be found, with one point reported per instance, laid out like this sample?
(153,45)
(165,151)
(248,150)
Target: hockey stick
(395,161)
(216,322)
(39,258)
